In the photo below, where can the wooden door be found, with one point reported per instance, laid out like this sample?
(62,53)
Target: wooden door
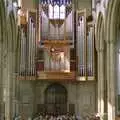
(56,99)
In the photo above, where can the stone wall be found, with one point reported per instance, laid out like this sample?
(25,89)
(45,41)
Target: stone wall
(26,98)
(85,4)
(82,95)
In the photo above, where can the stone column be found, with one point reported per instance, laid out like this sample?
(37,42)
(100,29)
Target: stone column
(14,84)
(1,81)
(34,101)
(111,81)
(14,97)
(6,88)
(98,63)
(8,85)
(101,82)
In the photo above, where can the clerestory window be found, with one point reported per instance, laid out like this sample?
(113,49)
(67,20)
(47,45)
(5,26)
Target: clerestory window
(56,12)
(56,8)
(56,19)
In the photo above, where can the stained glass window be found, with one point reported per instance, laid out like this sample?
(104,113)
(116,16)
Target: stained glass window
(56,12)
(56,8)
(56,20)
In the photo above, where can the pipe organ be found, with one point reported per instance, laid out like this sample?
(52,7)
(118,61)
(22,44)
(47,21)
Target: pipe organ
(85,45)
(57,59)
(56,18)
(90,51)
(81,43)
(56,48)
(28,47)
(31,46)
(23,52)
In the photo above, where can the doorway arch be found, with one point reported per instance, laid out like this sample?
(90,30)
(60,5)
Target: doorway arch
(55,99)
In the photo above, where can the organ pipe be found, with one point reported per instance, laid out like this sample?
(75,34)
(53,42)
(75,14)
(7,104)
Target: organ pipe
(28,49)
(90,50)
(85,46)
(81,41)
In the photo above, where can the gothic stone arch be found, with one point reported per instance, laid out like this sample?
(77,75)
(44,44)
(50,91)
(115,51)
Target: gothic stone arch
(111,31)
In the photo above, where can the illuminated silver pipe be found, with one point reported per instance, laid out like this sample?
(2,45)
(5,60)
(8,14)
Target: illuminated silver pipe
(33,49)
(29,47)
(92,54)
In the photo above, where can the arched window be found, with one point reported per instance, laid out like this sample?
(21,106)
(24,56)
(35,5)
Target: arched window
(56,20)
(56,12)
(56,9)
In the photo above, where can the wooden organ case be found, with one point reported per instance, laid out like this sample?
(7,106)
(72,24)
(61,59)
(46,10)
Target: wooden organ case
(56,39)
(58,44)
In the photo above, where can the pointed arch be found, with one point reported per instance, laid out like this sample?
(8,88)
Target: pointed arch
(112,12)
(111,37)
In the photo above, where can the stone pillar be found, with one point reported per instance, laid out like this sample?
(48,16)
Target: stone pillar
(14,97)
(6,88)
(111,81)
(34,101)
(1,81)
(14,84)
(15,88)
(98,63)
(0,72)
(8,85)
(101,82)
